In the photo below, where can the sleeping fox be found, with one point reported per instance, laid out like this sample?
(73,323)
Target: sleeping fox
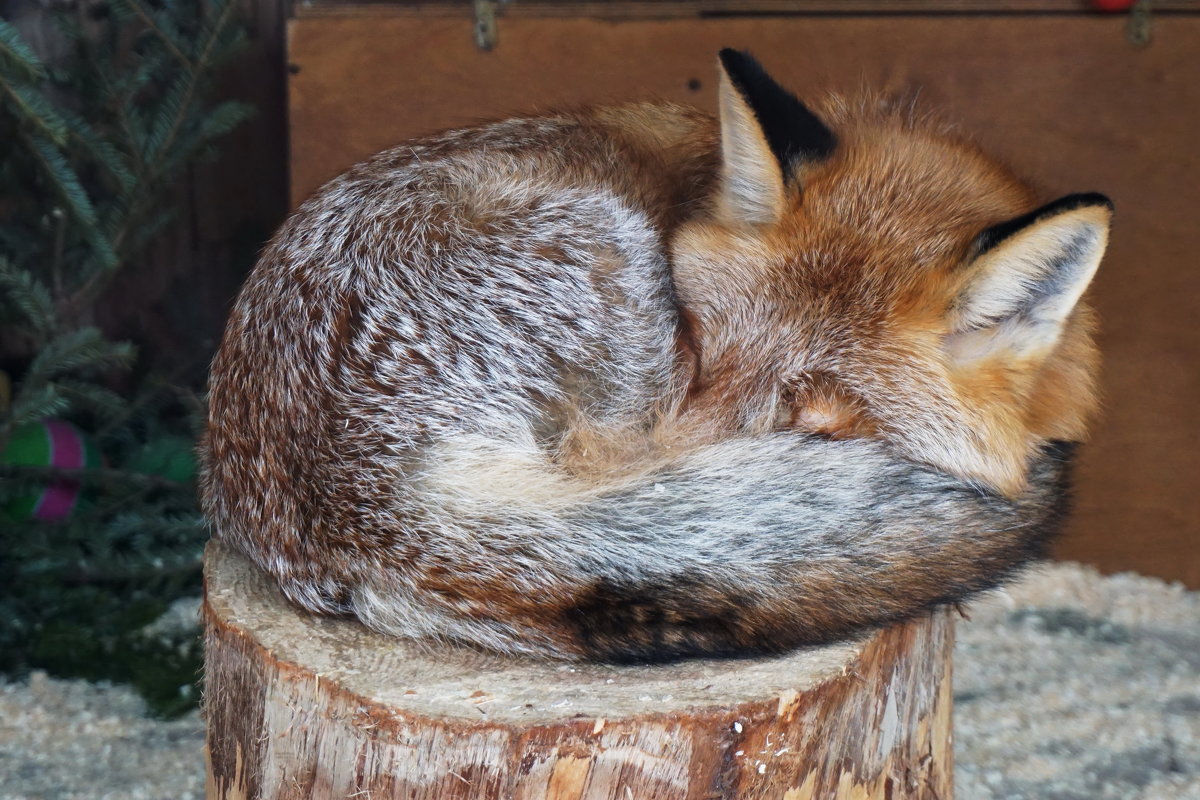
(634,383)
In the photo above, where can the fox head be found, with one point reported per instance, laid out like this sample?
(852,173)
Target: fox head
(865,272)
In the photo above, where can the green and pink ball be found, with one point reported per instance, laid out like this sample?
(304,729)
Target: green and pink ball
(49,443)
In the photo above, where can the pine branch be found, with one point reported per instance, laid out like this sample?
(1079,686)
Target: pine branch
(18,56)
(216,123)
(145,404)
(204,57)
(23,293)
(159,533)
(223,38)
(117,572)
(117,96)
(170,116)
(34,109)
(180,102)
(66,183)
(82,349)
(151,223)
(31,404)
(159,25)
(98,400)
(114,162)
(91,476)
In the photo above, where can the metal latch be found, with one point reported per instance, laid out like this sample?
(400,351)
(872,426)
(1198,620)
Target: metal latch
(1138,28)
(485,24)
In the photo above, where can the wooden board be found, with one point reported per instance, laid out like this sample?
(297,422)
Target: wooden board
(1064,99)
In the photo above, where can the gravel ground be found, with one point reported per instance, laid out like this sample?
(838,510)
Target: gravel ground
(74,740)
(1068,686)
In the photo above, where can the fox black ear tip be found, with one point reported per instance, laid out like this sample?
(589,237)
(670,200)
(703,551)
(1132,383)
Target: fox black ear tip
(1084,200)
(731,58)
(996,234)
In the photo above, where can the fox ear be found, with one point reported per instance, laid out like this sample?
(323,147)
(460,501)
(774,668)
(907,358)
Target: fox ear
(1027,277)
(764,131)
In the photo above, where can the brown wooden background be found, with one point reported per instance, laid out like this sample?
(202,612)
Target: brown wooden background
(1065,98)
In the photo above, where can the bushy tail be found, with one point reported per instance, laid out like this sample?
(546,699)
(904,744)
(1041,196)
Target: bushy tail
(750,545)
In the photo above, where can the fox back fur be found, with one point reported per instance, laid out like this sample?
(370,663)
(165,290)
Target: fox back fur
(635,383)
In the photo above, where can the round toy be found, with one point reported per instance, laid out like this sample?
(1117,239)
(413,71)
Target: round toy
(49,443)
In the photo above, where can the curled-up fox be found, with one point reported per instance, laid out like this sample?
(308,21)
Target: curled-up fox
(637,383)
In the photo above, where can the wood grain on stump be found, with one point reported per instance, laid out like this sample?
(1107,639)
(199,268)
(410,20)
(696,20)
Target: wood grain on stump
(303,707)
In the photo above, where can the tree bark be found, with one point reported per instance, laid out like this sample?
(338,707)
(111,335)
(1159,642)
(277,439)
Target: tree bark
(303,707)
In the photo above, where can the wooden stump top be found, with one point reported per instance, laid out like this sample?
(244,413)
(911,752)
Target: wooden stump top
(454,682)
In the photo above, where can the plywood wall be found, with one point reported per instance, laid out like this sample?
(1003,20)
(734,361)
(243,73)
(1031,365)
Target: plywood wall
(1065,99)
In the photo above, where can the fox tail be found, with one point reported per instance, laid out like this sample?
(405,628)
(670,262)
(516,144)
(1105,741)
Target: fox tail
(752,545)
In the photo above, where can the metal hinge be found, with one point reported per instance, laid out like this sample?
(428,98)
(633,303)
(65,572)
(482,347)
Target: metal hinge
(1138,28)
(485,24)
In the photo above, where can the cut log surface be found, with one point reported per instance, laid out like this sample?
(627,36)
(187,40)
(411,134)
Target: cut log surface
(304,707)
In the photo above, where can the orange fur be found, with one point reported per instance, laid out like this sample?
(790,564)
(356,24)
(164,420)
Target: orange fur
(855,282)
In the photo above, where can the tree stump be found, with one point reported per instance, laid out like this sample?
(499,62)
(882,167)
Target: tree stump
(304,707)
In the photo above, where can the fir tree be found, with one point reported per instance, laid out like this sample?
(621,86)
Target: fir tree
(94,139)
